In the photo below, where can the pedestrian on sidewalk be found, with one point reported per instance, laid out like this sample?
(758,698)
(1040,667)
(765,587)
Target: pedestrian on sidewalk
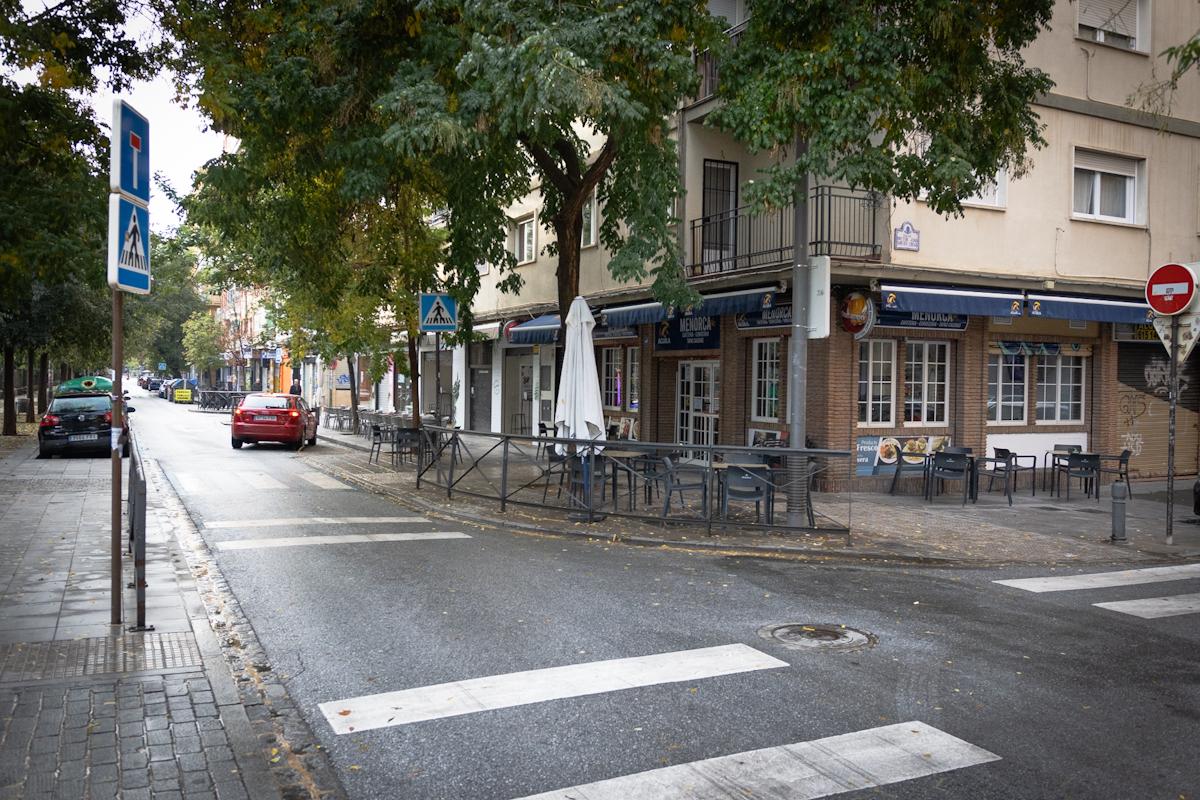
(295,387)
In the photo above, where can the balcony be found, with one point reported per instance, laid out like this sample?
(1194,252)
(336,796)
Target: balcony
(706,65)
(842,223)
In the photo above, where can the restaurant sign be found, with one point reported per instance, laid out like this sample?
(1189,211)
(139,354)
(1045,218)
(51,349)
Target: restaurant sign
(603,333)
(878,455)
(1126,332)
(924,320)
(688,332)
(778,315)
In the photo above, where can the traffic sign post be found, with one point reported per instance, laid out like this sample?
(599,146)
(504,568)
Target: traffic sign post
(1170,292)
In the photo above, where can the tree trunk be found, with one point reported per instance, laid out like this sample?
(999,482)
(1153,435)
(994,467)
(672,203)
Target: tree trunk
(30,412)
(396,382)
(414,374)
(568,227)
(10,391)
(352,369)
(43,373)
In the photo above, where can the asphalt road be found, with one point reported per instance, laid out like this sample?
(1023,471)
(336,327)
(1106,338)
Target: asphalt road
(1053,696)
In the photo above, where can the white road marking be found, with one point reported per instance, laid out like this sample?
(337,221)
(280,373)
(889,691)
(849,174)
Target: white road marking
(349,538)
(1102,580)
(800,771)
(192,482)
(322,481)
(1155,607)
(539,685)
(279,522)
(260,480)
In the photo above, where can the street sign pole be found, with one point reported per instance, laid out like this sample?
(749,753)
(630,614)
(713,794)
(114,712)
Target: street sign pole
(1172,399)
(118,356)
(797,494)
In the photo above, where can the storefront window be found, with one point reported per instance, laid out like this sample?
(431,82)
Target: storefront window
(1060,389)
(875,382)
(632,378)
(925,370)
(610,376)
(1006,388)
(764,403)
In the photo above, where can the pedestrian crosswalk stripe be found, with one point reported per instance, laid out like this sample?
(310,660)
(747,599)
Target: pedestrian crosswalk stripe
(1156,607)
(322,481)
(348,538)
(539,685)
(281,522)
(261,480)
(800,771)
(1102,580)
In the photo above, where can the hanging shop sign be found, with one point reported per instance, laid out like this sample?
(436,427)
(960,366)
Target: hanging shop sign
(922,320)
(603,333)
(688,333)
(1124,332)
(858,315)
(879,455)
(777,315)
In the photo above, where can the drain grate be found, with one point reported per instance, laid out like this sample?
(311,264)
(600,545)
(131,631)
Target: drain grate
(818,636)
(31,661)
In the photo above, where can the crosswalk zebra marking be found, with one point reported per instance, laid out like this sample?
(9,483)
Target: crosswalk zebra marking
(800,771)
(261,480)
(1103,580)
(1156,607)
(539,685)
(281,522)
(349,538)
(322,481)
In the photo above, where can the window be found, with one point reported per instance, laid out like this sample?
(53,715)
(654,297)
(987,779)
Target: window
(1106,186)
(610,377)
(632,378)
(925,382)
(764,384)
(1060,388)
(526,241)
(588,237)
(1006,389)
(730,12)
(994,194)
(1113,22)
(875,361)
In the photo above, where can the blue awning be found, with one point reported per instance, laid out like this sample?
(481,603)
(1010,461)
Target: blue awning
(952,300)
(539,330)
(641,314)
(711,305)
(1089,309)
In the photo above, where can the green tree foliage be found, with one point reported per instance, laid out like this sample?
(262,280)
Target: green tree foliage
(202,341)
(905,98)
(154,322)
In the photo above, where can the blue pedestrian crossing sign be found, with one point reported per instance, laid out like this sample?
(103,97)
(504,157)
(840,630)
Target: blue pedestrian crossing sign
(130,153)
(128,246)
(439,313)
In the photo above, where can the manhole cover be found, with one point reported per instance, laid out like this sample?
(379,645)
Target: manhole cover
(817,636)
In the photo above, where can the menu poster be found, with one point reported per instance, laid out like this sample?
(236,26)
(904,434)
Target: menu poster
(878,455)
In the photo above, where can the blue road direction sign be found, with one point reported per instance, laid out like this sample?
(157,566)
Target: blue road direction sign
(162,365)
(439,313)
(130,172)
(128,246)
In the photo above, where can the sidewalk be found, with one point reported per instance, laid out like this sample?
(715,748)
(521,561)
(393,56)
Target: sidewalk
(1041,530)
(91,710)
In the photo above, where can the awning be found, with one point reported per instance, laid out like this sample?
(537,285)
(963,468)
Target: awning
(1089,309)
(539,330)
(711,305)
(952,300)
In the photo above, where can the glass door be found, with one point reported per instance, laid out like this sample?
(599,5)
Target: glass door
(699,408)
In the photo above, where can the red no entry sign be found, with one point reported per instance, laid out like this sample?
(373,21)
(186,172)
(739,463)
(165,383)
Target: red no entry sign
(1171,289)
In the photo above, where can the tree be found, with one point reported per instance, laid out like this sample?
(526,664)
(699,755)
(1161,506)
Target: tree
(202,340)
(154,322)
(906,98)
(508,91)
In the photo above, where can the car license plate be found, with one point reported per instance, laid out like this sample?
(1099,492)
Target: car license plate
(83,437)
(262,418)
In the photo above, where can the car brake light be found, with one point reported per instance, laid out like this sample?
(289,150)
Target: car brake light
(295,413)
(108,417)
(237,412)
(49,421)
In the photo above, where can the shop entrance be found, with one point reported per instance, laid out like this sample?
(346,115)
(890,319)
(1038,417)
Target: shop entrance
(699,410)
(517,395)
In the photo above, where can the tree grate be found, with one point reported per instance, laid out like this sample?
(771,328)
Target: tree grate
(102,655)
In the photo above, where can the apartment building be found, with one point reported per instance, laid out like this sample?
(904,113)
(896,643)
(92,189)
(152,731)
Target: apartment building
(1020,324)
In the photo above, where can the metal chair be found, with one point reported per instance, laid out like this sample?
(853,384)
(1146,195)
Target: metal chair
(999,467)
(406,443)
(1121,470)
(748,484)
(682,479)
(948,467)
(1086,467)
(378,438)
(1015,466)
(1050,460)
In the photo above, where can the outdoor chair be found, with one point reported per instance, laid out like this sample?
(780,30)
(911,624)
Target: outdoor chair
(544,433)
(1016,468)
(406,444)
(1050,461)
(1121,470)
(379,437)
(962,451)
(1085,466)
(948,467)
(748,484)
(1002,467)
(676,478)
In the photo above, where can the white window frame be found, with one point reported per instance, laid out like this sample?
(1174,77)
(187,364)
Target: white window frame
(588,237)
(526,239)
(1140,40)
(633,380)
(1133,174)
(890,361)
(1057,384)
(1000,384)
(757,377)
(925,384)
(611,378)
(999,188)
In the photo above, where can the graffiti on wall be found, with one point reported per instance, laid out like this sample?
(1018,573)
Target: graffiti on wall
(1157,373)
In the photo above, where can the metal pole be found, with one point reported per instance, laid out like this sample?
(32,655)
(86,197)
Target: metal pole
(1173,395)
(797,496)
(504,477)
(118,346)
(437,378)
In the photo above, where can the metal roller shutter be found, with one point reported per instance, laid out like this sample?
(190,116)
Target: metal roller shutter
(1142,372)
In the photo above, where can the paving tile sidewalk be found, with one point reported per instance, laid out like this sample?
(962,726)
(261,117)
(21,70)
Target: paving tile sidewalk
(87,709)
(1036,530)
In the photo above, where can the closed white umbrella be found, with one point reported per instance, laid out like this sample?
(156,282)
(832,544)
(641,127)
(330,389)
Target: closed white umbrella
(579,412)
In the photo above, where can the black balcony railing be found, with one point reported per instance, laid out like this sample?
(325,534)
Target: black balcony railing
(841,223)
(706,65)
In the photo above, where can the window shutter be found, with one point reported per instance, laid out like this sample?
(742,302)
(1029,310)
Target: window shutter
(726,9)
(1117,16)
(1103,162)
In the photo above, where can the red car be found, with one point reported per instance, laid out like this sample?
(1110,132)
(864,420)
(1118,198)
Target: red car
(263,417)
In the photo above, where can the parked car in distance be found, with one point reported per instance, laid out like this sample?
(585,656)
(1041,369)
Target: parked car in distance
(153,384)
(273,417)
(79,423)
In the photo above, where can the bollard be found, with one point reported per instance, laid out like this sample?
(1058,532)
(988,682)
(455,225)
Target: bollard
(1196,497)
(1120,493)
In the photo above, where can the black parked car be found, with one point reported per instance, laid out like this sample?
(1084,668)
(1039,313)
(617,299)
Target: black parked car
(79,423)
(153,384)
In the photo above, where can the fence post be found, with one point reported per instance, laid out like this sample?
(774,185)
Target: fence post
(709,493)
(137,513)
(450,474)
(588,478)
(504,475)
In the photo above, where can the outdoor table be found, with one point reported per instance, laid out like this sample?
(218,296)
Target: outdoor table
(617,456)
